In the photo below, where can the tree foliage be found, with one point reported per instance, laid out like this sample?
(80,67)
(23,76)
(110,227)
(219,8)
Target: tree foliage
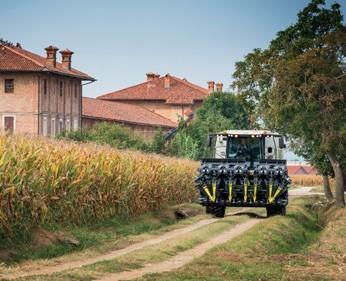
(111,134)
(220,111)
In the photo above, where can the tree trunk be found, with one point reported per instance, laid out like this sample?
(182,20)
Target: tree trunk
(326,187)
(339,181)
(344,173)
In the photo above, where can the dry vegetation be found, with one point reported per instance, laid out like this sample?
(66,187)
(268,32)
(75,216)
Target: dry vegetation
(45,181)
(306,180)
(326,259)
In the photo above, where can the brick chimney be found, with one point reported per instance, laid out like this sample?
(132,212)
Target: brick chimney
(211,85)
(66,56)
(167,81)
(150,76)
(51,55)
(219,87)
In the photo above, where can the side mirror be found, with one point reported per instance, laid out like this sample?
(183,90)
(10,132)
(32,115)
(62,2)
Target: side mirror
(282,143)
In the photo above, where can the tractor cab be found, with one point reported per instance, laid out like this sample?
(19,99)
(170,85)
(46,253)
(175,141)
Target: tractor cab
(247,145)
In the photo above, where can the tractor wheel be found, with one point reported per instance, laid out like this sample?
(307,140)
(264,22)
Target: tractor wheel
(209,209)
(271,211)
(276,210)
(283,210)
(218,211)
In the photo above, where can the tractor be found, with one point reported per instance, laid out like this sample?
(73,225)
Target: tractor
(244,168)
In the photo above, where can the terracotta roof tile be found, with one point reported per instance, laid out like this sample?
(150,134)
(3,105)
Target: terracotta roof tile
(18,59)
(180,92)
(121,112)
(301,170)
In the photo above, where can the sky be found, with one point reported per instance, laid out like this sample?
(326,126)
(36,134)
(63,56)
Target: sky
(118,42)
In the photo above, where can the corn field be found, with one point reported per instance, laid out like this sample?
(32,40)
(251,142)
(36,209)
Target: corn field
(45,181)
(307,180)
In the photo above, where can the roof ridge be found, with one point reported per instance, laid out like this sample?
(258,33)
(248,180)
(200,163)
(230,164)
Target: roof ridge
(136,105)
(136,85)
(162,121)
(25,56)
(204,91)
(199,88)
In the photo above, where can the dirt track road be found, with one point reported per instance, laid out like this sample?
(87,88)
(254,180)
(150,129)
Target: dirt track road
(184,257)
(32,270)
(172,263)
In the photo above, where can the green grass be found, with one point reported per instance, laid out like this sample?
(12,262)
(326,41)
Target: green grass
(96,236)
(149,254)
(259,254)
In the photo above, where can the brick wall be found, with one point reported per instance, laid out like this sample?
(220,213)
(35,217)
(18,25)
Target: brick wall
(22,103)
(41,103)
(59,104)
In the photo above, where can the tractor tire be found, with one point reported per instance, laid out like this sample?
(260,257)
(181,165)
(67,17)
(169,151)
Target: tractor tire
(209,209)
(218,211)
(271,211)
(283,210)
(276,210)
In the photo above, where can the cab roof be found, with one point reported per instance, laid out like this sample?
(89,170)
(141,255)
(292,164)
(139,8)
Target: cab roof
(248,133)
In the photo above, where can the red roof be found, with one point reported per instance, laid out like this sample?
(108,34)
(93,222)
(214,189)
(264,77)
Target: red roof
(125,113)
(180,91)
(301,170)
(310,170)
(17,59)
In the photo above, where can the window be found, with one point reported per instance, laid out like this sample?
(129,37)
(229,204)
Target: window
(9,85)
(61,125)
(45,86)
(52,129)
(68,125)
(61,88)
(244,149)
(45,127)
(75,124)
(9,123)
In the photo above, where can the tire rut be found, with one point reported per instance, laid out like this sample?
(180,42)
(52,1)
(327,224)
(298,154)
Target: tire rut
(185,257)
(50,269)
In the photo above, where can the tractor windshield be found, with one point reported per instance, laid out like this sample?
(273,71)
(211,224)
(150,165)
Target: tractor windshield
(246,149)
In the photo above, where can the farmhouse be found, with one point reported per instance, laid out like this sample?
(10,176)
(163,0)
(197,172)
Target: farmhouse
(168,96)
(42,96)
(39,95)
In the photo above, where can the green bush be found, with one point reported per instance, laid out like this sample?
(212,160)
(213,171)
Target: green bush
(112,134)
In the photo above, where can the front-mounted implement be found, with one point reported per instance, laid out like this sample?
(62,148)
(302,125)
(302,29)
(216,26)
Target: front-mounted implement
(246,170)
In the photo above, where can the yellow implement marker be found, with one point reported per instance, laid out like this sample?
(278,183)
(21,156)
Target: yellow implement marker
(270,192)
(245,190)
(277,192)
(255,192)
(211,197)
(230,187)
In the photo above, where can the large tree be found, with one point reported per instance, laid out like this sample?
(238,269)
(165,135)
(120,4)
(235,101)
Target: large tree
(220,111)
(296,85)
